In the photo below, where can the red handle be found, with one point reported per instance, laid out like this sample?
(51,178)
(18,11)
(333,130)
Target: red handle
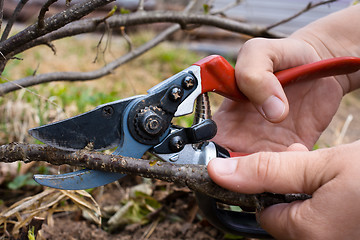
(217,75)
(238,154)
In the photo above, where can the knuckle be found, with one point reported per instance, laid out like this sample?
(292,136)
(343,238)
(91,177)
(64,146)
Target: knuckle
(254,42)
(247,79)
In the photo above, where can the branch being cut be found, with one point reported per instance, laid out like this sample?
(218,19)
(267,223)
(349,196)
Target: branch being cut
(193,176)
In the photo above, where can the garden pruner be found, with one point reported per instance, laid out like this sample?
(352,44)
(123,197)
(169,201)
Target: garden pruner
(143,123)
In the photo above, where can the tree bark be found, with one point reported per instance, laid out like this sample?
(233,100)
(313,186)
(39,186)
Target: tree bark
(193,176)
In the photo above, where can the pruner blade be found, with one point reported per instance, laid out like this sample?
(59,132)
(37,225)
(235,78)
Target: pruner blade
(84,131)
(82,179)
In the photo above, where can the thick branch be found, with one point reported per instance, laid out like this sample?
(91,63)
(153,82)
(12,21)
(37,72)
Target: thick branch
(89,25)
(193,176)
(53,23)
(184,19)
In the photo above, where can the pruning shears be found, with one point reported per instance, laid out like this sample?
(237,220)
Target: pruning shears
(143,123)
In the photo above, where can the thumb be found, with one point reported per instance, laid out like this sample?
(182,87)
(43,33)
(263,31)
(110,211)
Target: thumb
(278,172)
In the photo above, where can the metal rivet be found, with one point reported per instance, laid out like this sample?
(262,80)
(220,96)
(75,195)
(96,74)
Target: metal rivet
(176,143)
(176,94)
(188,82)
(107,111)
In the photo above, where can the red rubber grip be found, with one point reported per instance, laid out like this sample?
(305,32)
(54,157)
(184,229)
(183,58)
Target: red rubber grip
(323,68)
(238,154)
(217,75)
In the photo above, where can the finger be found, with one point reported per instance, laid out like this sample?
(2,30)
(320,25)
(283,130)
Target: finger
(254,74)
(279,220)
(297,147)
(285,172)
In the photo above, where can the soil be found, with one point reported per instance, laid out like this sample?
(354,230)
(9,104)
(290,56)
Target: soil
(177,220)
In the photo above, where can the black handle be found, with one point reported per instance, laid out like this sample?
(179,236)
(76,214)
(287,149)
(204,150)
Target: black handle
(235,222)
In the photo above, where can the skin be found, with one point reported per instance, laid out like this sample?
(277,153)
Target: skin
(279,125)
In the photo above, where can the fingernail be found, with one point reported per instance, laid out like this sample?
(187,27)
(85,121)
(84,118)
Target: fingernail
(223,166)
(273,108)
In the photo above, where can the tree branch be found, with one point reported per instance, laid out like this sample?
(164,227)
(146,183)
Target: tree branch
(43,11)
(193,176)
(308,7)
(133,19)
(13,18)
(83,76)
(89,25)
(53,23)
(1,13)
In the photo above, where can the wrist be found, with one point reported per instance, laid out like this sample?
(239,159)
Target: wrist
(335,36)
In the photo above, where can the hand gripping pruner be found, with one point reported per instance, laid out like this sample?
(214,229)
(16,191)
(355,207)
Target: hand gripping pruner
(143,123)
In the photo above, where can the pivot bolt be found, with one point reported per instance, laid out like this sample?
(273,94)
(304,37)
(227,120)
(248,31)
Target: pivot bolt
(151,123)
(188,82)
(176,94)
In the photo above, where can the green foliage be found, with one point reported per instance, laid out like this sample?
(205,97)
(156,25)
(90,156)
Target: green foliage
(82,97)
(143,205)
(124,11)
(184,121)
(176,58)
(21,181)
(31,234)
(232,236)
(43,169)
(206,8)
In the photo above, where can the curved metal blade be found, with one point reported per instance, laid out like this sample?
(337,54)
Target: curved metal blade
(85,179)
(82,179)
(97,129)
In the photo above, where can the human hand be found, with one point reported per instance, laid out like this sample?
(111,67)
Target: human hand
(313,103)
(330,175)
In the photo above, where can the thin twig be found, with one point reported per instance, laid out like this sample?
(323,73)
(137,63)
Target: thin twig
(127,38)
(308,7)
(36,94)
(1,13)
(226,7)
(43,11)
(13,18)
(83,76)
(91,25)
(98,46)
(51,24)
(141,6)
(193,176)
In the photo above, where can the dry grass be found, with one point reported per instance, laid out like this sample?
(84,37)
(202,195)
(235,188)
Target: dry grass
(44,205)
